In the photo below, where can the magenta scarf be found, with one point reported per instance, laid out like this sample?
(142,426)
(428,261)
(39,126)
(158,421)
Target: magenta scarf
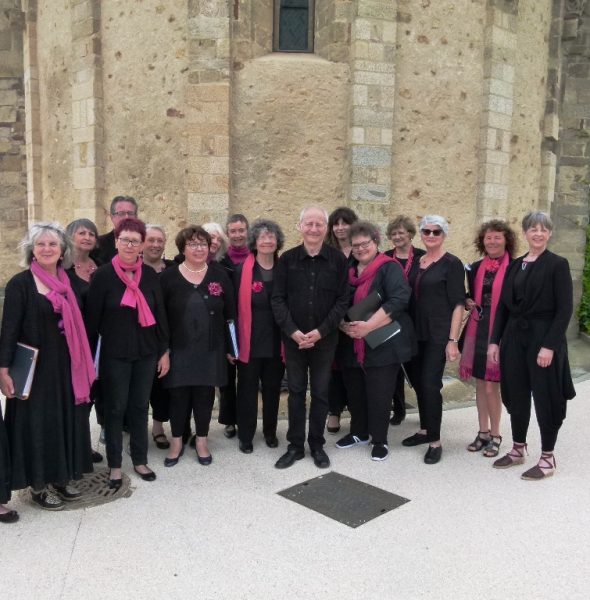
(363,285)
(133,296)
(245,308)
(65,303)
(409,261)
(238,255)
(467,356)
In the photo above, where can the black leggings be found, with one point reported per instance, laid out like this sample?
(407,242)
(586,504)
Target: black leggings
(199,399)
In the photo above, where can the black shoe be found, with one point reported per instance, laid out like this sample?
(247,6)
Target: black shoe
(171,462)
(115,484)
(67,492)
(9,517)
(289,458)
(335,428)
(229,431)
(397,418)
(161,441)
(246,447)
(96,457)
(149,476)
(205,460)
(48,500)
(320,458)
(433,455)
(415,440)
(272,441)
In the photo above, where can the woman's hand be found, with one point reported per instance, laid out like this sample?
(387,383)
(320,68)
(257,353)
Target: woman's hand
(494,353)
(163,365)
(452,351)
(6,383)
(545,357)
(470,304)
(358,329)
(231,359)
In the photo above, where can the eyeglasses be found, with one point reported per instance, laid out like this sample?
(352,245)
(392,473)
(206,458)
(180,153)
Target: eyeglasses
(127,242)
(195,245)
(361,245)
(434,232)
(124,213)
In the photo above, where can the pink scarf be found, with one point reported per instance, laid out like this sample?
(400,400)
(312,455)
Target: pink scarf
(133,296)
(238,255)
(467,356)
(363,285)
(65,303)
(409,261)
(245,308)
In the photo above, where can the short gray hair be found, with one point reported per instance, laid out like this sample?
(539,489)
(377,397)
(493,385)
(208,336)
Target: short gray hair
(218,230)
(318,208)
(42,228)
(160,228)
(72,227)
(537,217)
(260,226)
(435,220)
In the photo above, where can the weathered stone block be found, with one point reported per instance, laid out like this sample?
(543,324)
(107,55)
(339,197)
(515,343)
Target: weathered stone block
(8,97)
(7,114)
(197,201)
(88,177)
(372,193)
(210,164)
(376,9)
(374,78)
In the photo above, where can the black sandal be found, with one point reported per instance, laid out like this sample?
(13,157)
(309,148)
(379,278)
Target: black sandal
(162,445)
(479,442)
(493,447)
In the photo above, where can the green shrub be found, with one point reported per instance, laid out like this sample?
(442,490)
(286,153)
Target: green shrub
(584,311)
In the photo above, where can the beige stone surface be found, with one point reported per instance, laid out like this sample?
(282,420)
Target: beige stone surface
(289,137)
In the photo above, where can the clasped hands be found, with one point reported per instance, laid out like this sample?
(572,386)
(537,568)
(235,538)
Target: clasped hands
(305,341)
(355,329)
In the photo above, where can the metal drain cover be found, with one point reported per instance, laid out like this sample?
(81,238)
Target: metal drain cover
(343,499)
(95,490)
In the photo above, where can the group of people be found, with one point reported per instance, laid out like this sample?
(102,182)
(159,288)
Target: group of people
(119,327)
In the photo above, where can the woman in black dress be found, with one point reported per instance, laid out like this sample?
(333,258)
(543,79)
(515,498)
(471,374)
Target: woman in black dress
(529,342)
(260,362)
(125,307)
(48,434)
(400,232)
(7,515)
(199,300)
(439,299)
(496,241)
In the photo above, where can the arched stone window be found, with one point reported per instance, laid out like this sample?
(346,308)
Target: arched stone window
(293,25)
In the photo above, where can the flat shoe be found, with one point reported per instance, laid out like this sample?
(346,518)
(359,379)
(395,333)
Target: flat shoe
(115,484)
(171,462)
(397,419)
(272,442)
(48,500)
(433,455)
(230,431)
(162,445)
(415,440)
(67,492)
(320,458)
(205,460)
(9,517)
(246,447)
(96,457)
(289,458)
(149,476)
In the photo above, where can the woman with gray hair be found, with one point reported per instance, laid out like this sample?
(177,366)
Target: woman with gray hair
(48,433)
(437,308)
(219,241)
(529,342)
(259,361)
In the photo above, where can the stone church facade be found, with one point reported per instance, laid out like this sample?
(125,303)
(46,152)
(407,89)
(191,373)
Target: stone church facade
(468,108)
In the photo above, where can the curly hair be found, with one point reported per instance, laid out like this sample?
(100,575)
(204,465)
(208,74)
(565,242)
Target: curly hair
(500,227)
(401,221)
(261,225)
(192,232)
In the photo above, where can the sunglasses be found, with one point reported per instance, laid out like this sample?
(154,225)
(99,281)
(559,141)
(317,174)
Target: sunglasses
(434,232)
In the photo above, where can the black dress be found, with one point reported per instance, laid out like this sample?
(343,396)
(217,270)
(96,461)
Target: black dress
(4,464)
(48,435)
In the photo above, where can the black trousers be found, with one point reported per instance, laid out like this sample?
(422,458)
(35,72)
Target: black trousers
(126,385)
(269,373)
(196,398)
(426,373)
(337,396)
(369,400)
(399,394)
(228,398)
(315,363)
(159,401)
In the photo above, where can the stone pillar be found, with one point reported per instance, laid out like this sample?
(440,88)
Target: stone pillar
(371,114)
(87,110)
(13,176)
(208,100)
(496,120)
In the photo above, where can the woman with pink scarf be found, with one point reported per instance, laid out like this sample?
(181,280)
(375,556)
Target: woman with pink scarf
(48,433)
(496,241)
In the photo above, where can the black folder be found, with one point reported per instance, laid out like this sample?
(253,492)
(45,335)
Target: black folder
(22,369)
(363,311)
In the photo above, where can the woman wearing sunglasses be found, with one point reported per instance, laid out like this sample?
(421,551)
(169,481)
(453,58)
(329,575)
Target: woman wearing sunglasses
(496,241)
(437,309)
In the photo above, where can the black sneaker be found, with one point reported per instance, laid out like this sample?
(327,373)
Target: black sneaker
(67,492)
(349,440)
(48,500)
(379,452)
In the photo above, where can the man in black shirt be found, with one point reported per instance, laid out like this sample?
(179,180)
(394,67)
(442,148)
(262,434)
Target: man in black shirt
(122,207)
(310,297)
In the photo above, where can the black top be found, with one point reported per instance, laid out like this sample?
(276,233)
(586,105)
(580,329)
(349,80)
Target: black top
(310,292)
(265,337)
(393,288)
(548,296)
(122,335)
(197,315)
(105,248)
(418,252)
(437,291)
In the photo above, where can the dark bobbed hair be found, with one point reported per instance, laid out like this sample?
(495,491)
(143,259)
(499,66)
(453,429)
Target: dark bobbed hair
(400,221)
(131,224)
(342,212)
(499,226)
(118,199)
(364,228)
(261,225)
(192,232)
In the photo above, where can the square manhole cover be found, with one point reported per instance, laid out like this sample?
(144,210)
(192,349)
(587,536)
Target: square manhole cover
(343,499)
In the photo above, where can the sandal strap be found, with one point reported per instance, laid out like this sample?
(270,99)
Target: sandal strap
(518,450)
(547,461)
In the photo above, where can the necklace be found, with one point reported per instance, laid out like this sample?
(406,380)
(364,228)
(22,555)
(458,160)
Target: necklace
(86,268)
(193,271)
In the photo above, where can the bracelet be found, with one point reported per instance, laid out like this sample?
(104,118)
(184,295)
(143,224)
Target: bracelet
(454,340)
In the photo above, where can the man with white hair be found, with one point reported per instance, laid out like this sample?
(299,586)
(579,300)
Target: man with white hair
(310,297)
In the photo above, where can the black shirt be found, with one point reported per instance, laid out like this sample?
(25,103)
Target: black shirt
(310,292)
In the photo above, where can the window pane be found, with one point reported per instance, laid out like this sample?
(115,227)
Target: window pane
(294,26)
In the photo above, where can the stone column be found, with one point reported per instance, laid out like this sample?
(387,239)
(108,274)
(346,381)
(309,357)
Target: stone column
(371,114)
(496,120)
(208,100)
(87,110)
